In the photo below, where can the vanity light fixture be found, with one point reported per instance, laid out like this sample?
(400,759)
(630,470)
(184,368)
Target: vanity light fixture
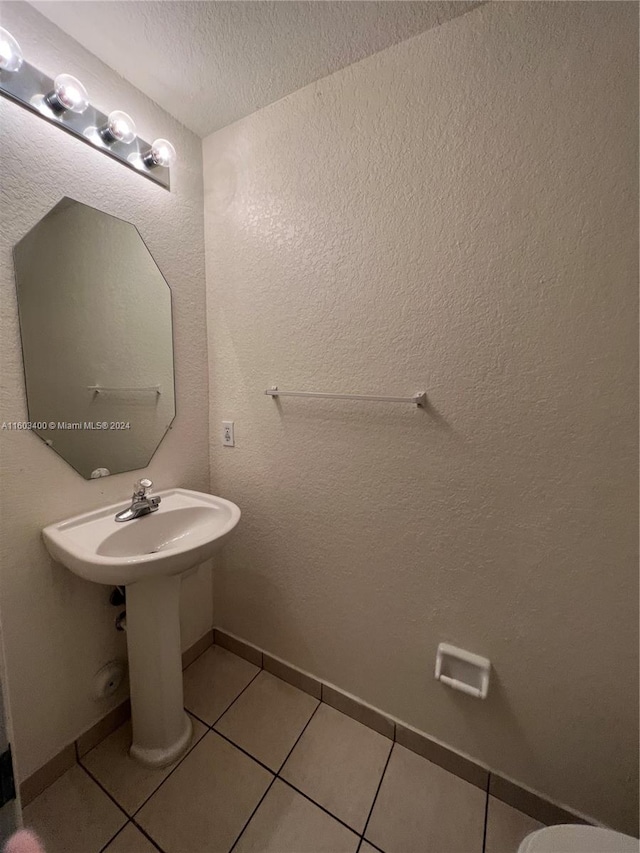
(68,94)
(120,127)
(10,53)
(161,153)
(64,101)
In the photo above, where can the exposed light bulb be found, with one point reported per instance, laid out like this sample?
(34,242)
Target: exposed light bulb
(11,58)
(68,94)
(120,127)
(161,153)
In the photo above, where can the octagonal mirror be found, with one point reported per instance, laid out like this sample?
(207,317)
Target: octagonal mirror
(97,344)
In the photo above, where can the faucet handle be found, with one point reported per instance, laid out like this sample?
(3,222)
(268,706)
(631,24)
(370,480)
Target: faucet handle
(141,488)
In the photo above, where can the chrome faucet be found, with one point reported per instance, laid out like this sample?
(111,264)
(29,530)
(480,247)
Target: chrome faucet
(141,503)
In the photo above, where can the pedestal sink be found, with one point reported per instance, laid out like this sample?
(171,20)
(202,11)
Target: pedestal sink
(148,555)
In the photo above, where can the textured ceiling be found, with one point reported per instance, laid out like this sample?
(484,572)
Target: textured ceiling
(210,63)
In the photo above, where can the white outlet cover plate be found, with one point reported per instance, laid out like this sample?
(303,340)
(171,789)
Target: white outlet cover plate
(228,438)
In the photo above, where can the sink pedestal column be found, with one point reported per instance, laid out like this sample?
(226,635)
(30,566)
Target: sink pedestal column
(161,727)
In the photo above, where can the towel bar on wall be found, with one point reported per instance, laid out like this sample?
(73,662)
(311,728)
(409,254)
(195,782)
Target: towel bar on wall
(145,389)
(418,399)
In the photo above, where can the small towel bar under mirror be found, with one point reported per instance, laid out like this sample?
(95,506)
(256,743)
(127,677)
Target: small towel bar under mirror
(103,389)
(418,399)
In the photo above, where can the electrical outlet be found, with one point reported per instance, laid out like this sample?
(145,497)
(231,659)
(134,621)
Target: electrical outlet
(227,434)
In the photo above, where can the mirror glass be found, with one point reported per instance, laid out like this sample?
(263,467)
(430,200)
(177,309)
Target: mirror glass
(95,321)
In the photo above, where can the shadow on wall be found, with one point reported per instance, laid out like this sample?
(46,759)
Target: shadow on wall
(496,706)
(225,183)
(276,616)
(301,410)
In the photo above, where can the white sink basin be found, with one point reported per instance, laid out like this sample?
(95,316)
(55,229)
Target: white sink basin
(148,555)
(183,532)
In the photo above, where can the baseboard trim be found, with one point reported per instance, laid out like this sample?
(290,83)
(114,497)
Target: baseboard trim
(532,803)
(358,710)
(194,651)
(46,775)
(512,793)
(103,728)
(518,796)
(239,647)
(455,762)
(64,760)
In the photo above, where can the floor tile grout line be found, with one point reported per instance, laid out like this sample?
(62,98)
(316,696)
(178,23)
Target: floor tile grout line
(122,829)
(171,772)
(244,751)
(104,790)
(373,846)
(318,805)
(233,701)
(281,778)
(297,741)
(113,800)
(269,786)
(113,837)
(131,817)
(373,804)
(192,747)
(199,719)
(246,687)
(486,816)
(122,808)
(364,840)
(285,781)
(146,835)
(276,774)
(199,656)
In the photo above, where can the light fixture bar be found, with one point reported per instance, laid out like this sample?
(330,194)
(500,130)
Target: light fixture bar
(29,87)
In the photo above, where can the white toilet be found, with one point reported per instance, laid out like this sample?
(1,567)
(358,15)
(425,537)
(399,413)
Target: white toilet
(574,838)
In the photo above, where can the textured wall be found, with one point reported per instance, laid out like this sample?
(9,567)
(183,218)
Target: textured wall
(58,629)
(457,214)
(236,57)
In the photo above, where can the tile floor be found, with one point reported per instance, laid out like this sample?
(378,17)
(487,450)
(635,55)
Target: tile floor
(270,770)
